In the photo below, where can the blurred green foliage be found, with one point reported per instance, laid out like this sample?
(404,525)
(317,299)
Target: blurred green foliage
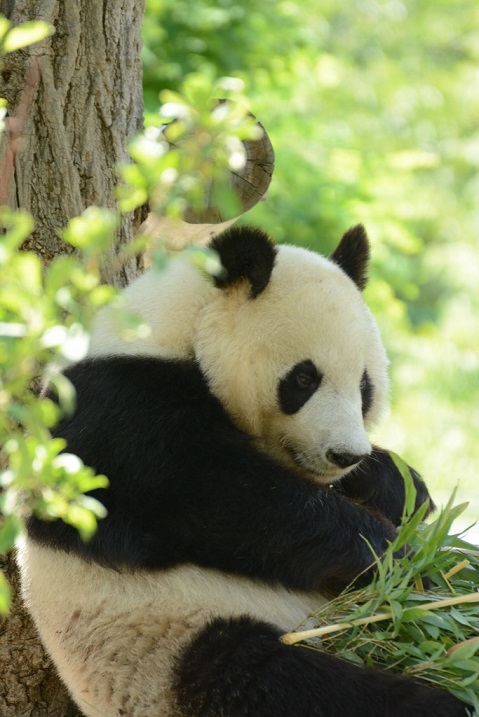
(187,151)
(44,315)
(373,111)
(45,311)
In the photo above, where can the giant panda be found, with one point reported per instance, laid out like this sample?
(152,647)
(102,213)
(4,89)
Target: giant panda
(243,490)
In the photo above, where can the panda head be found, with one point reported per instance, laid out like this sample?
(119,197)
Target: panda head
(284,339)
(289,347)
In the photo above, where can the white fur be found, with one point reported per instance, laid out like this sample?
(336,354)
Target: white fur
(309,310)
(166,301)
(113,634)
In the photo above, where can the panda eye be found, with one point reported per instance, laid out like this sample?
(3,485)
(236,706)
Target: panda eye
(304,381)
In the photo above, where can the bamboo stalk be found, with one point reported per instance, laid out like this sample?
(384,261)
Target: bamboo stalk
(291,638)
(456,569)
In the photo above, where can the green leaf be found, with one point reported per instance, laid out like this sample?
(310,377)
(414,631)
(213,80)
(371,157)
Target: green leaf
(10,529)
(65,392)
(18,225)
(397,611)
(352,657)
(205,259)
(5,595)
(5,26)
(26,34)
(83,517)
(414,613)
(93,231)
(410,489)
(459,617)
(463,652)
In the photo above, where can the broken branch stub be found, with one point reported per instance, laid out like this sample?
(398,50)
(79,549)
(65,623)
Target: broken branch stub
(249,183)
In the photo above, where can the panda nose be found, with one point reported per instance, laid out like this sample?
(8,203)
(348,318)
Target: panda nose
(344,460)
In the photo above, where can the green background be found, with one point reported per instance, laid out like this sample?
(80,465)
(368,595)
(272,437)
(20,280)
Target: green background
(373,110)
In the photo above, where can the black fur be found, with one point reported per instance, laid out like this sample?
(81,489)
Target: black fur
(239,668)
(297,387)
(187,485)
(367,393)
(352,255)
(245,253)
(376,483)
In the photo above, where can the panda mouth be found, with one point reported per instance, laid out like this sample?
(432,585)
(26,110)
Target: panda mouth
(317,469)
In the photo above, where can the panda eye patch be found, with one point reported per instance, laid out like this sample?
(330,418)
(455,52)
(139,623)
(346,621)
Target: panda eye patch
(299,384)
(367,392)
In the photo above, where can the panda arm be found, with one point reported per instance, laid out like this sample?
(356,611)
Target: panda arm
(254,517)
(187,486)
(378,485)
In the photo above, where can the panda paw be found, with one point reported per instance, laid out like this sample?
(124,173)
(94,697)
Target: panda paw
(378,485)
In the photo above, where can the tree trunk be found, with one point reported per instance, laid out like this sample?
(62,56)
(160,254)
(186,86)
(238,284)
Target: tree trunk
(74,100)
(29,685)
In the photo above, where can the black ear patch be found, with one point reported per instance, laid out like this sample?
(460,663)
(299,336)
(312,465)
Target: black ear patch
(245,253)
(352,255)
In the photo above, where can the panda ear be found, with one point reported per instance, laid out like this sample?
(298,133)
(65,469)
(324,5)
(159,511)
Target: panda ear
(245,253)
(352,255)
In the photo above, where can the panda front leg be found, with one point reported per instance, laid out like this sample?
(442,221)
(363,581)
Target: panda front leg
(238,667)
(377,484)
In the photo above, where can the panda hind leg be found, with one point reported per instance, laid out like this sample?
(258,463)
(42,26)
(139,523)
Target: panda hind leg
(238,668)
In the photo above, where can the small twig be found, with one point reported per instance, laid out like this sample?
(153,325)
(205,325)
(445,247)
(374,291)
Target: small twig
(457,568)
(292,637)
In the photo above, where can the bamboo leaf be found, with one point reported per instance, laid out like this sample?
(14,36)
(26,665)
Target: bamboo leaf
(463,652)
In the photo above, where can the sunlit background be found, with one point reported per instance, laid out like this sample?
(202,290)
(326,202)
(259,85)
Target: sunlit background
(373,111)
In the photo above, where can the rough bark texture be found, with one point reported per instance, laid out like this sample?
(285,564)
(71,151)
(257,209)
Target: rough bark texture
(74,99)
(29,685)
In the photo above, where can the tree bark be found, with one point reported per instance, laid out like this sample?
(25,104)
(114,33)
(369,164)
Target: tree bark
(74,100)
(29,685)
